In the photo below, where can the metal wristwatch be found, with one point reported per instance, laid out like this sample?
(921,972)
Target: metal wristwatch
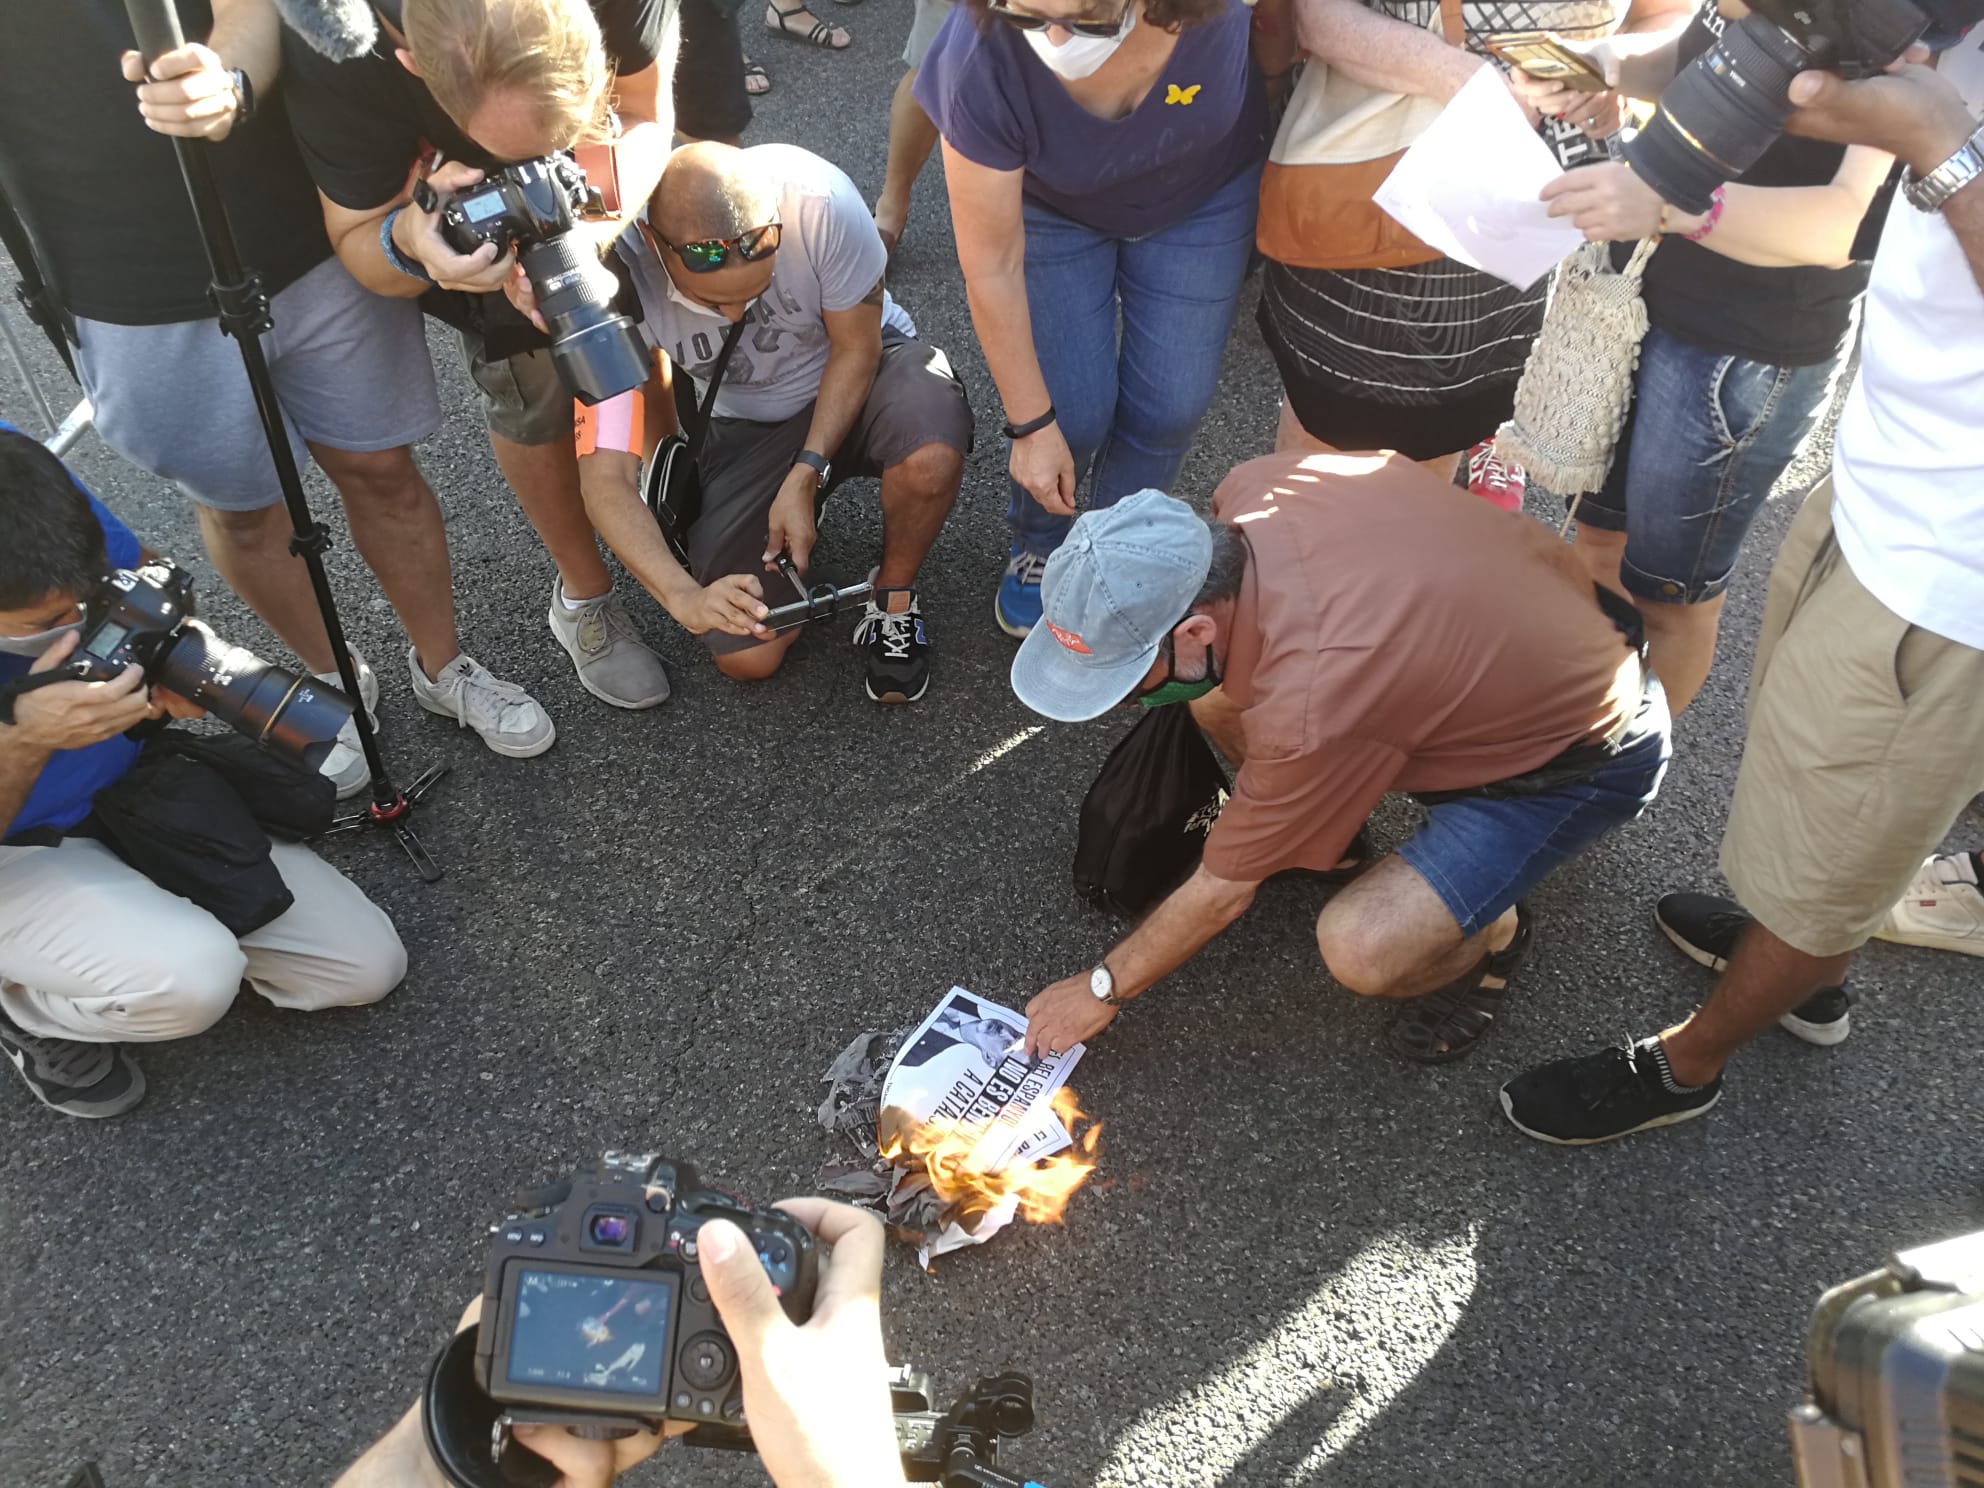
(1102,986)
(1928,193)
(244,95)
(816,462)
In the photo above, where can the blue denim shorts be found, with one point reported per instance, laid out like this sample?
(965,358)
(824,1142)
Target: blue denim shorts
(1481,854)
(1705,440)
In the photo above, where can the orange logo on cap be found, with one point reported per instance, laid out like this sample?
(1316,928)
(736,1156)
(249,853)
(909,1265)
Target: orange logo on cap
(1069,639)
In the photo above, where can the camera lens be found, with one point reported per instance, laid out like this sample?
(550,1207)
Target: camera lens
(289,714)
(596,349)
(611,1229)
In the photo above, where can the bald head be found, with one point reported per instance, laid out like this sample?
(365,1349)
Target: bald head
(711,190)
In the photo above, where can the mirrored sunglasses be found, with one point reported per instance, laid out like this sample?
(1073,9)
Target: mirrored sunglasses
(711,254)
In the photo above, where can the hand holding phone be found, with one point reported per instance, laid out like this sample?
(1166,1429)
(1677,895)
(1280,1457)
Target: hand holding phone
(1542,56)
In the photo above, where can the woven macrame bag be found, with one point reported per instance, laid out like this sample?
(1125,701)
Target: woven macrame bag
(1578,383)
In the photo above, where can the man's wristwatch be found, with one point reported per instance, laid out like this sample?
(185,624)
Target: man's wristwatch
(1102,986)
(815,462)
(1928,193)
(244,95)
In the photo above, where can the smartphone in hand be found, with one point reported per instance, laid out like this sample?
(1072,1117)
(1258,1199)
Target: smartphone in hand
(1542,55)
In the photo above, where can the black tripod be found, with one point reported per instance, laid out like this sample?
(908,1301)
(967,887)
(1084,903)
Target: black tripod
(244,314)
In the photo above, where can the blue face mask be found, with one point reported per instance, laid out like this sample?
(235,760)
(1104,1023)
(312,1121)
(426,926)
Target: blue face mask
(1173,690)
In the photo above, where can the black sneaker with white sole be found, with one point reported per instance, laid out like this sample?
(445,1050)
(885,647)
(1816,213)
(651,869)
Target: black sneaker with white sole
(74,1077)
(1706,927)
(898,652)
(1603,1096)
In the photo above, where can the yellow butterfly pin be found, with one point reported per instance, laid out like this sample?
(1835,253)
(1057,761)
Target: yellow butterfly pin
(1175,94)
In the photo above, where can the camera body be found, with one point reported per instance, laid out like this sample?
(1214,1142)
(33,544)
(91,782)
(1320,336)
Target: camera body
(534,209)
(144,616)
(1720,114)
(594,1308)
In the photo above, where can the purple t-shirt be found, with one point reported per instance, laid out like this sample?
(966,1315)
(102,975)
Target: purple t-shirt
(1203,122)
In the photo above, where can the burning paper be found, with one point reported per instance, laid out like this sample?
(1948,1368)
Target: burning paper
(962,1129)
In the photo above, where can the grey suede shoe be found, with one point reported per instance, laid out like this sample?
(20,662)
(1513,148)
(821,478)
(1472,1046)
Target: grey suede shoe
(613,663)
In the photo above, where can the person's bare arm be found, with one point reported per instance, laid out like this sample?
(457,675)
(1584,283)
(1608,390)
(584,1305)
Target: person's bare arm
(854,351)
(399,1459)
(354,235)
(1380,52)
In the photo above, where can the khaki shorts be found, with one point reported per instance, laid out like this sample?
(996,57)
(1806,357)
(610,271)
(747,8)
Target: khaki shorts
(1866,741)
(523,398)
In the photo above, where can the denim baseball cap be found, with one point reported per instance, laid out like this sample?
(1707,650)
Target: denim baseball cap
(1110,594)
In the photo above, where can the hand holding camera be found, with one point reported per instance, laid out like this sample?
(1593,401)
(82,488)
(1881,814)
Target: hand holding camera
(484,269)
(75,715)
(189,92)
(1909,110)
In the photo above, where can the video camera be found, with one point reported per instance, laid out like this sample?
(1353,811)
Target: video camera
(144,616)
(534,208)
(595,1317)
(1720,115)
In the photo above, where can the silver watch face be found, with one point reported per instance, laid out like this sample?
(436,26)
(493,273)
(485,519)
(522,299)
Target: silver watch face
(1101,984)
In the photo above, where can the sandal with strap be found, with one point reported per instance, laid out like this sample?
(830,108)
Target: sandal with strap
(820,33)
(1449,1021)
(754,72)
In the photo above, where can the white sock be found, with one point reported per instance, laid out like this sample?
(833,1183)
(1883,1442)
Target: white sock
(573,606)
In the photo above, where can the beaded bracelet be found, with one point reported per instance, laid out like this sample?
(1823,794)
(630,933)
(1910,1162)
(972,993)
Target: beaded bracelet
(1708,222)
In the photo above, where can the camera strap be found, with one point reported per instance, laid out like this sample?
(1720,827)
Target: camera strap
(33,291)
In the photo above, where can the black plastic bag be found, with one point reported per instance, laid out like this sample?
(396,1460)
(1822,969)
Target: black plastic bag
(1145,819)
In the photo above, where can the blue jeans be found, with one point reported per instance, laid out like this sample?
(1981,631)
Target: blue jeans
(1705,440)
(1481,854)
(1128,409)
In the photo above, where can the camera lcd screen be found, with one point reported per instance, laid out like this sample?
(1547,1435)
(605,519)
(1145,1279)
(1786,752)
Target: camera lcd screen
(108,639)
(482,208)
(580,1331)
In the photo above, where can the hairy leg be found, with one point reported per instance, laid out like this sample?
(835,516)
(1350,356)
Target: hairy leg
(917,494)
(251,551)
(1765,979)
(1389,935)
(546,480)
(397,528)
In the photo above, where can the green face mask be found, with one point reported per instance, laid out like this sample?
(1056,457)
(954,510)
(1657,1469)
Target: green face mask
(1172,690)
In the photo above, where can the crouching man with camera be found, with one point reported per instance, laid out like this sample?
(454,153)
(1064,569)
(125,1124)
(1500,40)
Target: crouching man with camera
(1341,629)
(760,271)
(93,952)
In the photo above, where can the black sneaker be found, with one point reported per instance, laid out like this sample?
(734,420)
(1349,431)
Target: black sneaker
(1706,928)
(1597,1097)
(898,654)
(74,1077)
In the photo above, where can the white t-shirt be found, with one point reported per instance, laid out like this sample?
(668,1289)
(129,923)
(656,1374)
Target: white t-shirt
(1908,462)
(829,257)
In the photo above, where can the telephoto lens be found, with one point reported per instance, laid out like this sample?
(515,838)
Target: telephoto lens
(292,715)
(596,349)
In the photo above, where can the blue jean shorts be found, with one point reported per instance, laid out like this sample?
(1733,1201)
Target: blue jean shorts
(1705,440)
(1481,854)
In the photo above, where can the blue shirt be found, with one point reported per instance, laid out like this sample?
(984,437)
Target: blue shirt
(66,788)
(1204,121)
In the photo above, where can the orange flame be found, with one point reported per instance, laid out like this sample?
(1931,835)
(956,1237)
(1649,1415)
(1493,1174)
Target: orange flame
(945,1156)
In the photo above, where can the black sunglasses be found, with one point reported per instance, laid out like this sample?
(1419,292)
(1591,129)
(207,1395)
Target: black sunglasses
(711,254)
(1101,30)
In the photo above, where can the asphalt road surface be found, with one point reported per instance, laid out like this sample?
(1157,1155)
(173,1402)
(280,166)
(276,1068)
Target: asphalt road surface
(1301,1261)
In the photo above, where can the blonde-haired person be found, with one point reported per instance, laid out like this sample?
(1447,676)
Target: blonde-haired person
(452,90)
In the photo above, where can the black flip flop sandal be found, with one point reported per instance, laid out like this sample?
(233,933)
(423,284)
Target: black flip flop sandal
(755,72)
(1449,1021)
(820,33)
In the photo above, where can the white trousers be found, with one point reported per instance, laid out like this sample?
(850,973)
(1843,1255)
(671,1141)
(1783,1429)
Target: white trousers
(91,949)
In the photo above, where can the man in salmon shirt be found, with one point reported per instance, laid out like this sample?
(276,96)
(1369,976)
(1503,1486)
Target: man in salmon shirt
(1342,627)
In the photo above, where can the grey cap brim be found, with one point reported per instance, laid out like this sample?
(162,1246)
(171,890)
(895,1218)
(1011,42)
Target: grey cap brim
(1054,682)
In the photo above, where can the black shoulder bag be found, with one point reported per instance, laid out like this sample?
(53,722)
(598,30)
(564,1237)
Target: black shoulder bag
(1145,819)
(670,486)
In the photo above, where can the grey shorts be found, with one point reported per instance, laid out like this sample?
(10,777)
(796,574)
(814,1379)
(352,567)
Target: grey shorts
(930,18)
(916,400)
(350,367)
(523,398)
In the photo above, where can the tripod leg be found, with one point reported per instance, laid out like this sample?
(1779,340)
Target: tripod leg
(423,863)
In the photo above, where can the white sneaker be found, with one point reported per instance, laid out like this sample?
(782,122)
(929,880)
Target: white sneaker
(1943,908)
(345,765)
(613,663)
(509,720)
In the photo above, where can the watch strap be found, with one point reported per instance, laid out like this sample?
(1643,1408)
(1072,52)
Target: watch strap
(1928,193)
(244,95)
(815,461)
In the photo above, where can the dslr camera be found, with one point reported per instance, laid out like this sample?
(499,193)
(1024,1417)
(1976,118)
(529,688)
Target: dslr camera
(594,1310)
(534,209)
(145,616)
(1720,115)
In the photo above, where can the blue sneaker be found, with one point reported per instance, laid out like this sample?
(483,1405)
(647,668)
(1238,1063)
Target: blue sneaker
(1017,607)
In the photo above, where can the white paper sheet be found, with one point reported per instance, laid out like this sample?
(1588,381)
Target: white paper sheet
(1469,187)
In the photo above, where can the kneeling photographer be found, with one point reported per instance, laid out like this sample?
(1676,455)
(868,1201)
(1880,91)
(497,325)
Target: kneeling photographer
(137,885)
(815,1391)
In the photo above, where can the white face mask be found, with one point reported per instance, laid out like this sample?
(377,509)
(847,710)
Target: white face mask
(38,644)
(1079,56)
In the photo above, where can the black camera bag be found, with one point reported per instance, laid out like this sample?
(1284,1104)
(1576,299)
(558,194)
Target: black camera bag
(1145,819)
(670,485)
(194,816)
